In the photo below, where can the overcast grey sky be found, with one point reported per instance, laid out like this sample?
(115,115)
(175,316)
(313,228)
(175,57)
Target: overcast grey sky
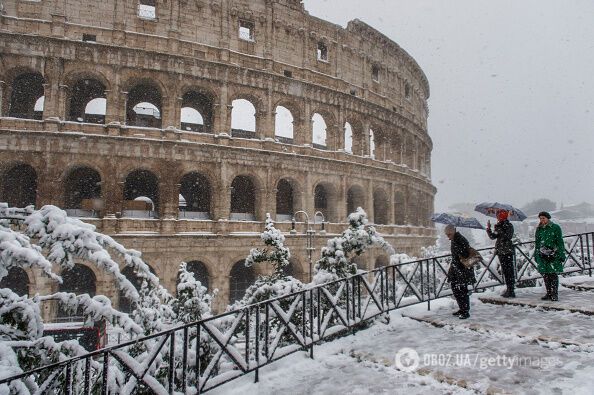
(512,91)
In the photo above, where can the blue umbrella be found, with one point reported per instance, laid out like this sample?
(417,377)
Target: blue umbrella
(460,221)
(491,209)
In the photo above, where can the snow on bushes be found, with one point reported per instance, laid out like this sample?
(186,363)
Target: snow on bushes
(336,261)
(276,284)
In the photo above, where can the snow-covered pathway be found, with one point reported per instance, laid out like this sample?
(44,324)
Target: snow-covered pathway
(500,349)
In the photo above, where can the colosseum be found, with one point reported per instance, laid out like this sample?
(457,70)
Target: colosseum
(176,126)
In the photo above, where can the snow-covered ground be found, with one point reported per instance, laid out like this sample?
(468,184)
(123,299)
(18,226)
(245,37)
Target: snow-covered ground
(500,349)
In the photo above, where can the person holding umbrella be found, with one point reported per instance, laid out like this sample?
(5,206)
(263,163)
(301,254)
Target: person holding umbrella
(458,275)
(504,248)
(549,252)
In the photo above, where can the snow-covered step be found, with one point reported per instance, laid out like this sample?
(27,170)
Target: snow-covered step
(569,300)
(511,322)
(478,361)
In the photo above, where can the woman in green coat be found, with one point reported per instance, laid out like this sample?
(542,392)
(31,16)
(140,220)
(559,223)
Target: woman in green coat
(549,253)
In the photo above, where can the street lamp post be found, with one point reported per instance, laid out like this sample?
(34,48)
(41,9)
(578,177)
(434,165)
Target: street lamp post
(309,248)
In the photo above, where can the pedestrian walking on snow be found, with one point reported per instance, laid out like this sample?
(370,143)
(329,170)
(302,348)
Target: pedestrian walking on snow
(504,248)
(549,252)
(459,276)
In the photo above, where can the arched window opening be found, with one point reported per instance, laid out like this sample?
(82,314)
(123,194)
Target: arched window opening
(319,131)
(322,52)
(27,90)
(195,192)
(27,97)
(82,192)
(19,186)
(78,280)
(196,112)
(243,119)
(125,304)
(87,102)
(284,201)
(17,281)
(325,202)
(355,198)
(283,125)
(240,278)
(199,270)
(348,138)
(243,199)
(143,106)
(380,207)
(141,195)
(399,208)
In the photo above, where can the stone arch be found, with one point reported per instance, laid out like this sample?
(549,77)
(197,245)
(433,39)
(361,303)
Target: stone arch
(200,271)
(124,303)
(27,91)
(82,191)
(325,200)
(141,194)
(358,136)
(17,281)
(380,207)
(287,199)
(79,280)
(284,123)
(355,198)
(244,198)
(19,185)
(378,143)
(202,103)
(144,105)
(196,192)
(84,94)
(319,130)
(240,278)
(243,118)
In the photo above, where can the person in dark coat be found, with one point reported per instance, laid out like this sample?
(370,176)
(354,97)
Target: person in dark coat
(459,276)
(504,248)
(549,252)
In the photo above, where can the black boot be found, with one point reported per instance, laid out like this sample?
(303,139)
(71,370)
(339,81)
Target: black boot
(457,312)
(464,315)
(547,284)
(554,287)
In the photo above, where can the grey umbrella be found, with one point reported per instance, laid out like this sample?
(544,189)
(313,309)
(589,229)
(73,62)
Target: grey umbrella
(491,209)
(460,221)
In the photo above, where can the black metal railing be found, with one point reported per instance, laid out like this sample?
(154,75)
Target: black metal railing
(208,353)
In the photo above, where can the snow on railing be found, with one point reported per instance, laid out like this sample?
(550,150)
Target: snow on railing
(206,354)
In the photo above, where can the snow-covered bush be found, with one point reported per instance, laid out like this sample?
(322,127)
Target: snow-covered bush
(48,238)
(337,257)
(277,283)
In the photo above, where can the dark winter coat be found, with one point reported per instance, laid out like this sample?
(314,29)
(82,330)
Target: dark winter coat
(458,273)
(549,236)
(502,232)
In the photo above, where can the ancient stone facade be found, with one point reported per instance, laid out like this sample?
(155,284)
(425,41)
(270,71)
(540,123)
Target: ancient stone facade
(95,97)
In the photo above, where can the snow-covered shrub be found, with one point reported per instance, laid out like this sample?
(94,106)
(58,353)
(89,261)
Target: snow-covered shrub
(337,257)
(276,284)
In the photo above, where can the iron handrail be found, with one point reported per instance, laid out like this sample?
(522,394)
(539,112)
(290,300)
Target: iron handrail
(249,338)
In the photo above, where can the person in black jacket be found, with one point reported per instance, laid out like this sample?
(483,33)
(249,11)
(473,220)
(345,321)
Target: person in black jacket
(459,276)
(504,248)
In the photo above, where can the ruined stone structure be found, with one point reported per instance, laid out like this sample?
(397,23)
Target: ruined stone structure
(125,112)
